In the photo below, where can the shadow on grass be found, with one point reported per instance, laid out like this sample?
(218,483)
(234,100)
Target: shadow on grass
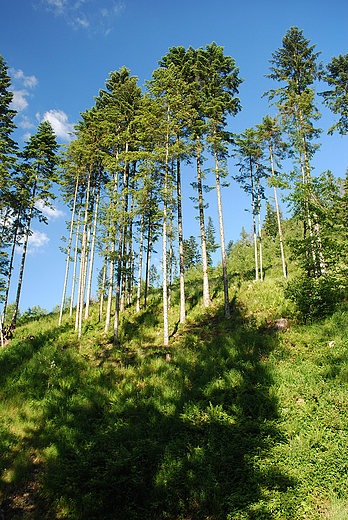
(179,439)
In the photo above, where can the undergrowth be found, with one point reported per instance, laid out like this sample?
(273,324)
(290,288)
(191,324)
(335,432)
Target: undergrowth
(232,421)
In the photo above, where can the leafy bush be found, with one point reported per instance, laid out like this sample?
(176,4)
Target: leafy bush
(315,297)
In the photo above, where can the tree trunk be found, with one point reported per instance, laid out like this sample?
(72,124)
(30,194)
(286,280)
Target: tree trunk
(181,245)
(140,261)
(89,284)
(254,221)
(112,255)
(102,288)
(278,214)
(206,296)
(9,273)
(260,229)
(81,293)
(75,262)
(165,202)
(120,275)
(222,236)
(20,280)
(125,236)
(147,262)
(68,254)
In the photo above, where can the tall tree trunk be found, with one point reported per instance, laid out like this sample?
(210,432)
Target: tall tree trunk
(83,260)
(181,244)
(68,254)
(20,280)
(75,261)
(102,288)
(121,244)
(112,256)
(130,279)
(94,233)
(254,221)
(278,214)
(222,236)
(206,296)
(130,247)
(140,260)
(9,273)
(260,229)
(165,209)
(147,271)
(125,236)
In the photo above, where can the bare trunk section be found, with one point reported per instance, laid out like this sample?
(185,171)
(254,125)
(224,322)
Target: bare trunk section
(260,229)
(79,307)
(165,203)
(222,236)
(9,274)
(68,253)
(181,245)
(121,245)
(112,255)
(130,247)
(20,281)
(89,284)
(75,262)
(254,221)
(147,262)
(140,261)
(206,296)
(102,288)
(278,214)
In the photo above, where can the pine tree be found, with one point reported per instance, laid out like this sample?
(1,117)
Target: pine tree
(8,156)
(271,136)
(191,253)
(295,64)
(220,85)
(247,148)
(212,246)
(40,159)
(336,100)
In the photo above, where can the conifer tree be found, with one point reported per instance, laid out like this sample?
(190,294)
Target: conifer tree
(40,159)
(271,136)
(220,84)
(248,150)
(8,155)
(336,76)
(295,65)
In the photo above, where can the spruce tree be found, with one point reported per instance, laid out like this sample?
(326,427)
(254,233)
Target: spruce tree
(39,165)
(336,100)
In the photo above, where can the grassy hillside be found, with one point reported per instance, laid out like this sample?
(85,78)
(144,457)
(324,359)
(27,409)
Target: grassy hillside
(231,421)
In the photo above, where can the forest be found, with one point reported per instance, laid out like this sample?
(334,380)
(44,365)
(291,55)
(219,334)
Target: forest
(182,401)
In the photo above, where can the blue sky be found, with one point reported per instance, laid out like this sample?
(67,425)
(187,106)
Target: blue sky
(60,53)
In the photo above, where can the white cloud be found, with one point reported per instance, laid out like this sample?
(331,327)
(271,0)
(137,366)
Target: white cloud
(18,101)
(51,213)
(26,136)
(60,124)
(37,240)
(57,6)
(83,22)
(28,81)
(25,123)
(85,14)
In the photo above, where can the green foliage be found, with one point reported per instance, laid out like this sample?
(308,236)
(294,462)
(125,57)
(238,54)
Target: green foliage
(212,246)
(313,297)
(191,253)
(270,225)
(337,99)
(231,421)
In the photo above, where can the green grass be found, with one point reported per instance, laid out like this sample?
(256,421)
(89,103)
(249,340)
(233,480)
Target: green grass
(231,421)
